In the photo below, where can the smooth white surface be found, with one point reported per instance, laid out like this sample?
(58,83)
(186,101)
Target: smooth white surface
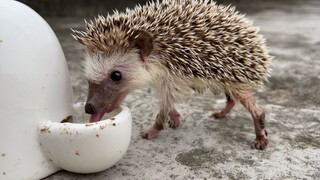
(35,86)
(86,148)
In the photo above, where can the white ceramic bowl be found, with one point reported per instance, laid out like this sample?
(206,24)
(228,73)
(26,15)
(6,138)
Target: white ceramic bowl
(87,147)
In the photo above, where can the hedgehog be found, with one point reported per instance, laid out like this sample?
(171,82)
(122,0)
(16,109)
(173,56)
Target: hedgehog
(176,48)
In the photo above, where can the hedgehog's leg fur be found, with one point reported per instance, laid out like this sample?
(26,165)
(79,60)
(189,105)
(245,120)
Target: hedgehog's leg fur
(229,105)
(258,116)
(174,120)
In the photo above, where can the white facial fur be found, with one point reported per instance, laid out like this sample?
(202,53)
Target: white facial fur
(98,66)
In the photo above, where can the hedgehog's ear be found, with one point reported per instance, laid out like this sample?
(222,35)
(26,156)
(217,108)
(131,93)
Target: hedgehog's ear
(143,41)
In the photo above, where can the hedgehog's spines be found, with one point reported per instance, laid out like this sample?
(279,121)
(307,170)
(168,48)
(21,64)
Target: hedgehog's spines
(214,42)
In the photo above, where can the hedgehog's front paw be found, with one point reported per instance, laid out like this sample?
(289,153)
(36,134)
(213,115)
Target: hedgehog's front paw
(219,114)
(174,120)
(260,143)
(149,133)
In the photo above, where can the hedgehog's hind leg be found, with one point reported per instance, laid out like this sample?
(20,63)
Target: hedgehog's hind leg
(258,116)
(229,105)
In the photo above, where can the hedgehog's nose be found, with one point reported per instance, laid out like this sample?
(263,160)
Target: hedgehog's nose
(89,108)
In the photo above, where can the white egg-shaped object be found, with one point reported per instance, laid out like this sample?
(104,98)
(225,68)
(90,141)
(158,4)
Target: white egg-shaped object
(35,90)
(35,86)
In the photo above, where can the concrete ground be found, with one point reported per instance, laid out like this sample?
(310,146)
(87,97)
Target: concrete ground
(205,148)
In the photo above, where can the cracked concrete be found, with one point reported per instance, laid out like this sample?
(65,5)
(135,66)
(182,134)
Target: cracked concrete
(204,148)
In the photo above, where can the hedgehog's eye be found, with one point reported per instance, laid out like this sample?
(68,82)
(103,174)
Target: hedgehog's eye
(116,76)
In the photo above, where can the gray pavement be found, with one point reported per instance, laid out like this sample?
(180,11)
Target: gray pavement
(204,148)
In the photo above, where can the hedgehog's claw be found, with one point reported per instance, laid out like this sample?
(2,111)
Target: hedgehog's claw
(149,133)
(218,115)
(260,143)
(174,120)
(229,105)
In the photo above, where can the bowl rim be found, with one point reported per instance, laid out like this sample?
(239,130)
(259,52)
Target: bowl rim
(124,111)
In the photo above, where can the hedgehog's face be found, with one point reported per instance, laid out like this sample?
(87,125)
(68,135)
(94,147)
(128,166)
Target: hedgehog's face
(112,76)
